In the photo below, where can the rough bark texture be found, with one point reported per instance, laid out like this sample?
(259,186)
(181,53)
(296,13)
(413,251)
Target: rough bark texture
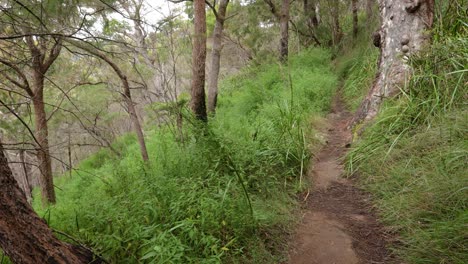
(42,58)
(213,75)
(197,102)
(43,154)
(284,29)
(354,7)
(404,31)
(24,237)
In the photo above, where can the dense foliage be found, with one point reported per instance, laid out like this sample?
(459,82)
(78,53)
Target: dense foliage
(216,194)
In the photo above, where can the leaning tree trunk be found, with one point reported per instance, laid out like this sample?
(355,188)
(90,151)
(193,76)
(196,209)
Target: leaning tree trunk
(197,102)
(127,95)
(24,237)
(404,31)
(284,29)
(216,56)
(41,133)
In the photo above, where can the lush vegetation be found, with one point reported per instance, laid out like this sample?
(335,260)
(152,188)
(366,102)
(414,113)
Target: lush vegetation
(413,157)
(223,192)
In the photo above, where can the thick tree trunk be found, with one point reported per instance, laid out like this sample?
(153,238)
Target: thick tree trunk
(213,75)
(354,8)
(404,31)
(41,134)
(284,29)
(197,102)
(24,237)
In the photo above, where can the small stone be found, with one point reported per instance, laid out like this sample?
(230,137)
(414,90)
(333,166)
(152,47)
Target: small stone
(405,40)
(405,49)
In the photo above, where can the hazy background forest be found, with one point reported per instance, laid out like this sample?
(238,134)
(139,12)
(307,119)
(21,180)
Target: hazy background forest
(97,95)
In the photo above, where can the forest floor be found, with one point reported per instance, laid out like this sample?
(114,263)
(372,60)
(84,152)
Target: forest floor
(338,224)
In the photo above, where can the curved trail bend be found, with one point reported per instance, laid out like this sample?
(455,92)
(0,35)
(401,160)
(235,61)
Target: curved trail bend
(337,225)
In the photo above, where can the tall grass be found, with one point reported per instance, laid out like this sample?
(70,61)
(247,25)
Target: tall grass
(413,157)
(224,194)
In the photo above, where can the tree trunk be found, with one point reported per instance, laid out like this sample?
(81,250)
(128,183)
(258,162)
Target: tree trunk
(403,32)
(41,133)
(126,95)
(354,7)
(136,122)
(213,75)
(24,237)
(311,15)
(26,185)
(370,9)
(284,28)
(312,21)
(337,34)
(197,102)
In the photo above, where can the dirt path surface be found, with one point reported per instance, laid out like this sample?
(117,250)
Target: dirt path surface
(338,226)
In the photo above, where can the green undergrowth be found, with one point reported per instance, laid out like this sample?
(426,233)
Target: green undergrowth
(414,156)
(221,192)
(356,66)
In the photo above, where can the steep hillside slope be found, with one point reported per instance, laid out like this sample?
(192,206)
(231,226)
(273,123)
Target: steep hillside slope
(221,192)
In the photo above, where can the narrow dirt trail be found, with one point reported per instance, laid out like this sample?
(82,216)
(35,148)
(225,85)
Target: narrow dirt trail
(338,226)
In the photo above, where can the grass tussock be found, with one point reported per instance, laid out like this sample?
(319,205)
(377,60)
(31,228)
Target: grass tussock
(413,157)
(222,194)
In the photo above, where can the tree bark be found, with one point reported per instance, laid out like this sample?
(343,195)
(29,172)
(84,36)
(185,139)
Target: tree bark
(311,15)
(354,8)
(42,57)
(197,102)
(337,34)
(404,31)
(26,184)
(41,134)
(26,238)
(213,75)
(312,20)
(284,31)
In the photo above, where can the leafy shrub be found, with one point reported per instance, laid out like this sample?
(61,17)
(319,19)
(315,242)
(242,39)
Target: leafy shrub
(219,194)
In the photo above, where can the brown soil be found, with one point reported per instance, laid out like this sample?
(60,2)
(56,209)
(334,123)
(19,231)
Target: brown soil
(338,225)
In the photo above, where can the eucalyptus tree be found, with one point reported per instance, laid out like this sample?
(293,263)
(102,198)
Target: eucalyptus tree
(25,237)
(404,31)
(282,15)
(126,94)
(197,103)
(28,50)
(213,75)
